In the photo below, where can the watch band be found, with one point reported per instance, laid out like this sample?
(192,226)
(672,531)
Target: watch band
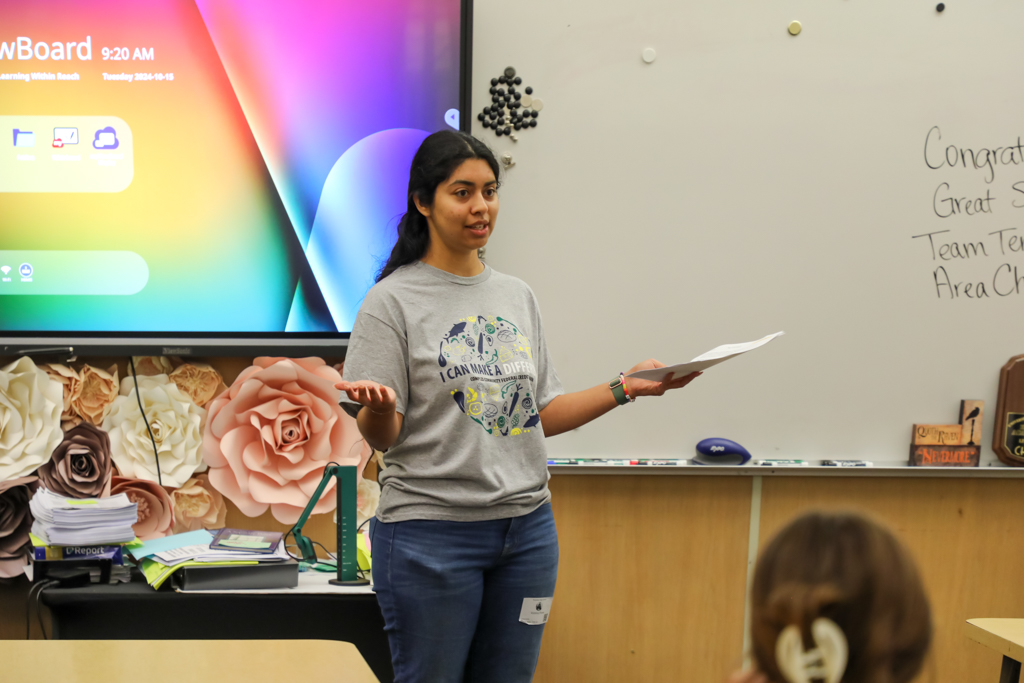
(618,391)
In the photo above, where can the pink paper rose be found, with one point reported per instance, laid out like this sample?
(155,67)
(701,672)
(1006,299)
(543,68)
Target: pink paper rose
(270,435)
(156,511)
(15,524)
(197,505)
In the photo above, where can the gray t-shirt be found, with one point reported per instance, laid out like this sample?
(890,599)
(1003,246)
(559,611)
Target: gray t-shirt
(467,359)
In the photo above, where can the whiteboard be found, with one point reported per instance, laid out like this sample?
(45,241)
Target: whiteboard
(749,181)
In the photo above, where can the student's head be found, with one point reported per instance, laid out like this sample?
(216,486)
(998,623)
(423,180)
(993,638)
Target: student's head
(452,198)
(853,572)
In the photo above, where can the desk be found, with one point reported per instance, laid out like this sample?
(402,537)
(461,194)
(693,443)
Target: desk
(174,661)
(1005,636)
(134,611)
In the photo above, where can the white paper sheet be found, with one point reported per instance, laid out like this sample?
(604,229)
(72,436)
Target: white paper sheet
(704,361)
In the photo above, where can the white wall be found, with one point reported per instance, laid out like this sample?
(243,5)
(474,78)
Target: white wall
(750,181)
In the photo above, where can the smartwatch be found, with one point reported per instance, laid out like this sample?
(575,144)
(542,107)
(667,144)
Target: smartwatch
(619,391)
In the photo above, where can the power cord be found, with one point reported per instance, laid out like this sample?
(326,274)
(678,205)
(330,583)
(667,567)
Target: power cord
(38,589)
(138,397)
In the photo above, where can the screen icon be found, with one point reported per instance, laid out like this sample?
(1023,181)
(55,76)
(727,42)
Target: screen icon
(105,138)
(65,136)
(25,270)
(451,117)
(24,138)
(5,269)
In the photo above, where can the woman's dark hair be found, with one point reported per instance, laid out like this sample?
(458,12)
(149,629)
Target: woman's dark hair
(436,159)
(851,570)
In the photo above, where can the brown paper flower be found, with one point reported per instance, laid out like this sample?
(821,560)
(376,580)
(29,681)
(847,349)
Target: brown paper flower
(80,467)
(269,437)
(156,511)
(15,524)
(146,366)
(200,381)
(99,389)
(197,505)
(72,385)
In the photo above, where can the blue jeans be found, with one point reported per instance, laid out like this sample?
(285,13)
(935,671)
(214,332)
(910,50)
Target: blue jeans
(452,592)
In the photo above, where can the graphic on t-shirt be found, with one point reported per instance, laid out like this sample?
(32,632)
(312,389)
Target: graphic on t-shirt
(493,359)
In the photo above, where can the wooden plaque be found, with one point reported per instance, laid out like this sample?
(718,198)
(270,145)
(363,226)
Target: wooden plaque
(971,414)
(1008,436)
(945,456)
(937,435)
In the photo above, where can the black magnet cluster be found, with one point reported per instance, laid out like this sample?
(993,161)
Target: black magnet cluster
(508,111)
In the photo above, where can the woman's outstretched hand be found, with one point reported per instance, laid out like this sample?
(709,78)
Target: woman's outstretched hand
(378,398)
(644,387)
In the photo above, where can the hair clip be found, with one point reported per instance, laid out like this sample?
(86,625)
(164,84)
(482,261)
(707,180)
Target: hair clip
(827,661)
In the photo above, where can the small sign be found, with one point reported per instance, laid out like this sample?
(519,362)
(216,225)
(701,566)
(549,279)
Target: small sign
(937,435)
(971,413)
(945,456)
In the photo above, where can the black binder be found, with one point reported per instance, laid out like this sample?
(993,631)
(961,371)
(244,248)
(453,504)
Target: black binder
(265,575)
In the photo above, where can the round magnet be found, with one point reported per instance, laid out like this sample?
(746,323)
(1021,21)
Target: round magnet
(502,80)
(537,105)
(518,125)
(939,7)
(534,113)
(508,130)
(494,81)
(533,123)
(526,100)
(649,55)
(529,90)
(497,131)
(795,28)
(510,72)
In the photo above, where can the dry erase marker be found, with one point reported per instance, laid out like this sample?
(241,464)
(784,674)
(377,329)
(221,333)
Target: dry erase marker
(662,462)
(561,461)
(846,463)
(782,463)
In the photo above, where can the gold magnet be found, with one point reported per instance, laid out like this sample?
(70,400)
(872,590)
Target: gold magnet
(795,28)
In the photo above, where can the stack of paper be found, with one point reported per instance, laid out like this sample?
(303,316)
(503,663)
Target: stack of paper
(203,553)
(160,558)
(83,521)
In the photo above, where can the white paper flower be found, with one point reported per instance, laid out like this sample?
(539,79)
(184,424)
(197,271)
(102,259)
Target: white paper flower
(177,424)
(30,407)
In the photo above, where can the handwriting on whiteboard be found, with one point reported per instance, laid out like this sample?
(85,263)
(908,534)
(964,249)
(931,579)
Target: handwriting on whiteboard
(973,233)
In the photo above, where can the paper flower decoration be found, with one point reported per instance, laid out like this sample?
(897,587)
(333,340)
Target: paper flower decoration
(152,365)
(177,425)
(30,408)
(15,524)
(201,382)
(97,393)
(72,385)
(80,466)
(197,505)
(269,437)
(367,499)
(156,511)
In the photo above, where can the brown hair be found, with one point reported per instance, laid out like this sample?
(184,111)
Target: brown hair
(853,571)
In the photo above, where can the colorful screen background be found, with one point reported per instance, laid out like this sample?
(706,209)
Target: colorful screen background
(269,174)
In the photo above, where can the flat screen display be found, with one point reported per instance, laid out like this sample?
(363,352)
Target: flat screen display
(230,168)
